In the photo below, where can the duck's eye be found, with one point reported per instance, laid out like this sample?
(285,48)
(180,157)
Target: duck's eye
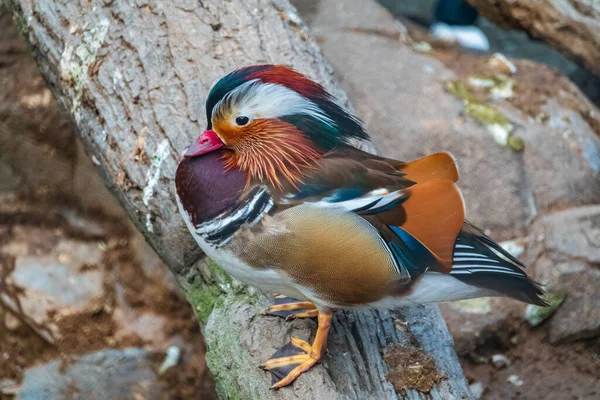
(242,120)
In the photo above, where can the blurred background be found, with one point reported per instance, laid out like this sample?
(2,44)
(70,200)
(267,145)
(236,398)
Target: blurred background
(80,289)
(511,43)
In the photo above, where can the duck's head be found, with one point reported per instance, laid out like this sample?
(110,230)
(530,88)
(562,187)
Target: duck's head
(273,123)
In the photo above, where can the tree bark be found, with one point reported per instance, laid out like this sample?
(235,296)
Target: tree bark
(571,26)
(132,77)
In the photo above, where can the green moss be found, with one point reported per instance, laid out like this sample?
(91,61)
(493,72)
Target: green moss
(218,300)
(204,300)
(486,114)
(219,276)
(497,124)
(460,90)
(422,47)
(535,315)
(516,143)
(213,295)
(205,295)
(21,23)
(236,374)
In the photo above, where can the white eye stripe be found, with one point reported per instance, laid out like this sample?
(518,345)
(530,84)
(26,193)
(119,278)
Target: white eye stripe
(257,100)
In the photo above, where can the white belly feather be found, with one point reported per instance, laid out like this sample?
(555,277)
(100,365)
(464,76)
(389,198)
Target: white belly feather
(268,280)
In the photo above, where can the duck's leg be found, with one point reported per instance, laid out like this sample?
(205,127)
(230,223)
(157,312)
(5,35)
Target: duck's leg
(290,308)
(298,356)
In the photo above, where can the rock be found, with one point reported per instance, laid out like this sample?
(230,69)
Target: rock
(8,387)
(107,374)
(51,282)
(481,305)
(477,390)
(149,327)
(571,26)
(82,222)
(475,324)
(515,380)
(404,102)
(579,316)
(500,361)
(566,247)
(574,233)
(152,265)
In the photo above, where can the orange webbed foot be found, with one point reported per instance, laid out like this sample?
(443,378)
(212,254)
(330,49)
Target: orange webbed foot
(290,308)
(298,356)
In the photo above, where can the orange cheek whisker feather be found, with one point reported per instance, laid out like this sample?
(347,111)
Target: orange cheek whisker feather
(273,151)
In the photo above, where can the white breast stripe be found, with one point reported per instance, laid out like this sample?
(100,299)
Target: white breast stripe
(470,255)
(260,215)
(365,203)
(215,225)
(220,231)
(463,246)
(459,259)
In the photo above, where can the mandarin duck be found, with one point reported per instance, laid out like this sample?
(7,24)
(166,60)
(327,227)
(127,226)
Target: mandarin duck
(274,193)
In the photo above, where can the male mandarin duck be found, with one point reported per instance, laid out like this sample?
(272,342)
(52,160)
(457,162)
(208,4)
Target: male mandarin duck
(275,194)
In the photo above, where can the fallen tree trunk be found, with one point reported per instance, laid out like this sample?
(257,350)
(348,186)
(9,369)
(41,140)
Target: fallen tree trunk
(571,26)
(132,77)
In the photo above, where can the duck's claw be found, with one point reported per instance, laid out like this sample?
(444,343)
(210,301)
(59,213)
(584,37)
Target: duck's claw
(289,362)
(290,308)
(298,356)
(305,314)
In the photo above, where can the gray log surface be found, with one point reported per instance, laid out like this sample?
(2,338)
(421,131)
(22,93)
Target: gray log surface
(133,76)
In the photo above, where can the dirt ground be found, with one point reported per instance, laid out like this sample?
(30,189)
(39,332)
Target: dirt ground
(537,369)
